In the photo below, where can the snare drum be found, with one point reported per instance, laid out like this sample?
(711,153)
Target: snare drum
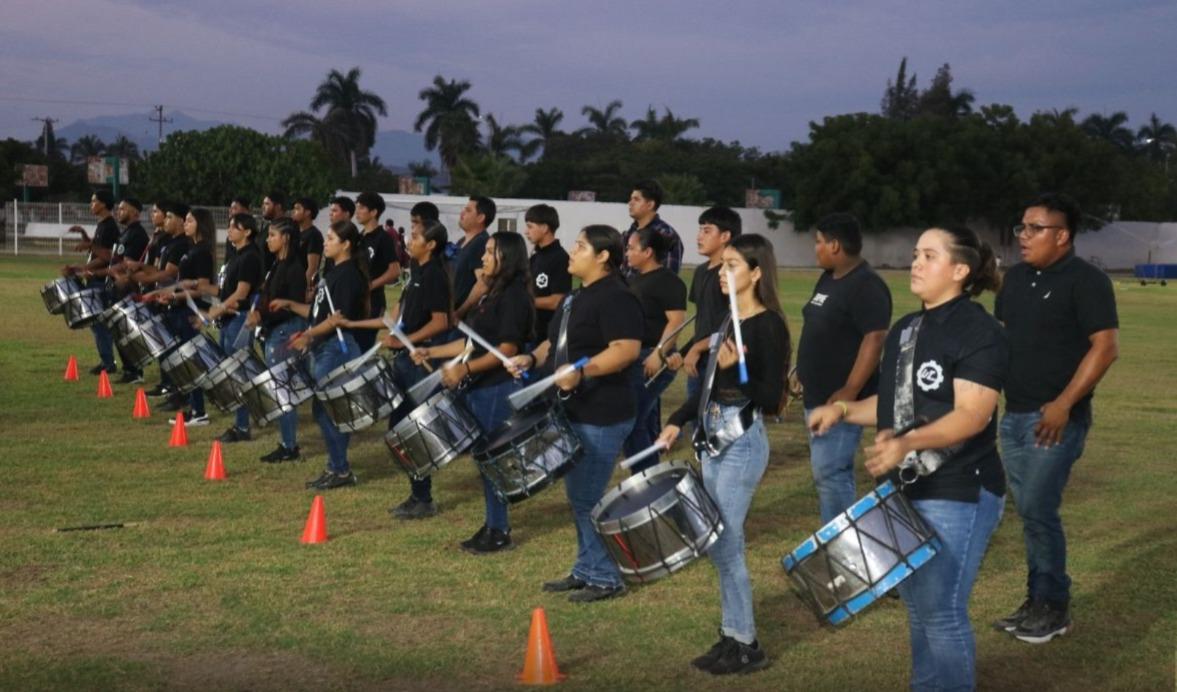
(432,435)
(56,292)
(119,317)
(225,382)
(861,554)
(656,522)
(534,448)
(278,389)
(145,341)
(83,307)
(190,362)
(359,393)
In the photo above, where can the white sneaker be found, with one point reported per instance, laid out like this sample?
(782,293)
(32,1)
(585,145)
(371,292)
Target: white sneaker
(191,420)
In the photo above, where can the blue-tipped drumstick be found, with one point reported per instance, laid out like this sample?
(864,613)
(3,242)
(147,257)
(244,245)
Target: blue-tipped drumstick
(525,396)
(731,297)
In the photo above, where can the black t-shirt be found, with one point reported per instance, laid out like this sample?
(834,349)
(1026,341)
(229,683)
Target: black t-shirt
(427,292)
(310,242)
(549,276)
(132,243)
(286,281)
(658,291)
(157,246)
(602,312)
(1049,316)
(381,254)
(838,315)
(469,259)
(765,336)
(349,294)
(957,340)
(506,318)
(711,305)
(245,265)
(195,262)
(106,234)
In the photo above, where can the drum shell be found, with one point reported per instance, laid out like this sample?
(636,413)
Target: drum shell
(432,435)
(357,394)
(224,383)
(277,390)
(658,521)
(528,453)
(56,292)
(122,316)
(146,341)
(188,364)
(83,307)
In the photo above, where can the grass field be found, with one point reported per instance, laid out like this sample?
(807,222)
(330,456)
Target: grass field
(211,589)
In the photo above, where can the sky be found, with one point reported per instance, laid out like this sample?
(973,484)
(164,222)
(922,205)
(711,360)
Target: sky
(757,71)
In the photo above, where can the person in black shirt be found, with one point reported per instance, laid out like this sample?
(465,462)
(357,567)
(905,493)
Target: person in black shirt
(644,202)
(505,317)
(663,297)
(157,270)
(130,250)
(1060,314)
(347,283)
(99,249)
(476,217)
(382,262)
(846,320)
(941,373)
(730,435)
(604,324)
(550,280)
(310,241)
(240,279)
(274,207)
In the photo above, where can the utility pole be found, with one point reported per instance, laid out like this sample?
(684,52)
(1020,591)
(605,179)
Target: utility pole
(160,120)
(47,123)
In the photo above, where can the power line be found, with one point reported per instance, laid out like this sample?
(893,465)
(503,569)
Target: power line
(125,104)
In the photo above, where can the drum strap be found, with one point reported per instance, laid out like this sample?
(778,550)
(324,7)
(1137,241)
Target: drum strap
(562,335)
(712,364)
(922,462)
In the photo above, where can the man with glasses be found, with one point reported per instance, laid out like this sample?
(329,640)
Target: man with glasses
(1060,316)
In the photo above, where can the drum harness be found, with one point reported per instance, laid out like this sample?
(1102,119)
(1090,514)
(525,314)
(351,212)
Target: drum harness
(562,344)
(917,462)
(713,434)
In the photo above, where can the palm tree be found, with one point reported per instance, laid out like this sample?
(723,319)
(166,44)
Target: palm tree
(1056,117)
(85,147)
(604,122)
(350,120)
(1158,139)
(502,139)
(450,120)
(123,148)
(667,128)
(544,127)
(49,143)
(1109,128)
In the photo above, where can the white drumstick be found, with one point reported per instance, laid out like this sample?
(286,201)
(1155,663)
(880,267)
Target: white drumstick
(338,331)
(652,449)
(192,306)
(525,396)
(395,330)
(485,344)
(424,388)
(731,296)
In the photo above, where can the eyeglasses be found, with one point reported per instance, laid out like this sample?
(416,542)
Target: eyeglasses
(1032,229)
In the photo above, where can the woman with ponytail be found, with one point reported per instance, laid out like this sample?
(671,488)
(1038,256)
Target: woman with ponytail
(941,372)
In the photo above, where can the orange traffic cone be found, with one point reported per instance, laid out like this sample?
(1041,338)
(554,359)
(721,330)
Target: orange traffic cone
(141,408)
(179,432)
(71,369)
(315,530)
(215,469)
(539,667)
(104,390)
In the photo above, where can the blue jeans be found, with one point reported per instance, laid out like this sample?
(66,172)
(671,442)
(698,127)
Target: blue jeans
(831,456)
(229,332)
(585,484)
(731,478)
(648,423)
(1037,476)
(104,342)
(406,373)
(943,652)
(491,409)
(277,351)
(327,355)
(180,321)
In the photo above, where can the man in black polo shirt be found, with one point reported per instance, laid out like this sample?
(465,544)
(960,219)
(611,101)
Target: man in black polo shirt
(476,217)
(100,247)
(846,321)
(310,239)
(1060,314)
(130,250)
(383,268)
(550,280)
(644,202)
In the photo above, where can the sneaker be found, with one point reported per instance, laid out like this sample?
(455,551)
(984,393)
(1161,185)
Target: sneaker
(333,481)
(97,369)
(282,453)
(191,420)
(1010,622)
(322,478)
(740,658)
(474,540)
(158,391)
(131,377)
(713,654)
(1044,622)
(413,508)
(569,583)
(175,402)
(492,541)
(235,434)
(592,593)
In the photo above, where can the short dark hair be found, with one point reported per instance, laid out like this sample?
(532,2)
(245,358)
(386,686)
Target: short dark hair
(372,201)
(309,204)
(345,204)
(241,200)
(1063,204)
(426,211)
(105,197)
(650,239)
(725,219)
(277,197)
(175,209)
(651,190)
(543,214)
(486,207)
(133,202)
(245,222)
(843,228)
(601,238)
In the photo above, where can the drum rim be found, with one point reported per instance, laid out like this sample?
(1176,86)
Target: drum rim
(220,372)
(485,449)
(355,369)
(661,504)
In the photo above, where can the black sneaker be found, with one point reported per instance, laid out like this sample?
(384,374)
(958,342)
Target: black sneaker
(1044,622)
(592,593)
(158,391)
(322,478)
(333,481)
(235,434)
(708,659)
(1010,622)
(131,377)
(474,540)
(491,542)
(569,583)
(739,658)
(281,454)
(97,369)
(413,508)
(175,402)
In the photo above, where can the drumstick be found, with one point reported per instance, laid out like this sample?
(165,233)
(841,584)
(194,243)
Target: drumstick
(486,344)
(424,388)
(731,296)
(395,330)
(657,446)
(525,396)
(237,342)
(338,331)
(662,344)
(192,306)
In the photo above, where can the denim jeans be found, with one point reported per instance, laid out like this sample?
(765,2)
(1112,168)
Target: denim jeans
(585,484)
(406,373)
(180,322)
(648,422)
(104,342)
(278,350)
(831,456)
(943,652)
(1037,476)
(731,477)
(491,409)
(327,355)
(229,332)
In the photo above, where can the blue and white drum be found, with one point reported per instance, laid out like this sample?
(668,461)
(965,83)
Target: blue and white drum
(359,393)
(190,362)
(278,389)
(56,292)
(145,341)
(83,307)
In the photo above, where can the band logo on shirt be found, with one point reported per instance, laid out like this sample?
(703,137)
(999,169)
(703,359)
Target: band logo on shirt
(818,300)
(930,376)
(541,280)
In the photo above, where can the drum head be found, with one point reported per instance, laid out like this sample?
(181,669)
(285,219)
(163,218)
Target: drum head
(642,496)
(518,425)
